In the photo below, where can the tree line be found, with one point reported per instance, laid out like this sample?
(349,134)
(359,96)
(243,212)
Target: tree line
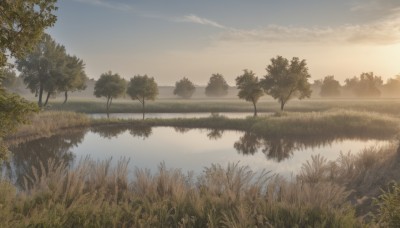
(49,70)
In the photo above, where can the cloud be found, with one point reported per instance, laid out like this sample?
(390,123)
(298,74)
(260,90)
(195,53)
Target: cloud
(200,20)
(111,5)
(384,31)
(376,6)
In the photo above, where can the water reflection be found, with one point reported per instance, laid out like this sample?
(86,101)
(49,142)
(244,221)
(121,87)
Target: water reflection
(34,155)
(279,149)
(113,131)
(189,149)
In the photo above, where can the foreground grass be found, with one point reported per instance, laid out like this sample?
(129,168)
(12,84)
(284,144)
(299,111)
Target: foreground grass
(97,195)
(343,193)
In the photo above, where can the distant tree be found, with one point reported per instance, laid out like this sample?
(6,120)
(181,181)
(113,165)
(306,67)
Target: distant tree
(286,80)
(392,85)
(142,88)
(22,23)
(367,85)
(249,88)
(43,69)
(110,86)
(330,87)
(184,88)
(217,86)
(74,77)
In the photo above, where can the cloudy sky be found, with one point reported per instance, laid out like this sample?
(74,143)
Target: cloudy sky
(172,39)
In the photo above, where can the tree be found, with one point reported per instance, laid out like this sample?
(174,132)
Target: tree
(110,86)
(10,80)
(285,81)
(43,69)
(142,88)
(392,85)
(330,87)
(367,85)
(217,86)
(249,88)
(22,23)
(74,78)
(184,88)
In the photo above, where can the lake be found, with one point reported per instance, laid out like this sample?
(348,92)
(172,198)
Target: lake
(187,149)
(174,115)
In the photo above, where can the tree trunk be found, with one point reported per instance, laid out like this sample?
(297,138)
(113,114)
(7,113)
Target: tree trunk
(143,108)
(255,108)
(65,97)
(47,99)
(282,105)
(107,107)
(40,103)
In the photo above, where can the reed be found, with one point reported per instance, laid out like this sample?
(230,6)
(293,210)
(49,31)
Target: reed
(96,194)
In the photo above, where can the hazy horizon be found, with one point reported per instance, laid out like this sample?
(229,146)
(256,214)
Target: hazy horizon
(175,39)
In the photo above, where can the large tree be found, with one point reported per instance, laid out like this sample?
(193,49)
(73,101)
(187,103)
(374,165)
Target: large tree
(22,23)
(249,88)
(142,88)
(184,88)
(330,87)
(286,80)
(217,86)
(44,68)
(110,86)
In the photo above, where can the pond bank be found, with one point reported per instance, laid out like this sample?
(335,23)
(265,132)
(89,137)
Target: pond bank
(339,123)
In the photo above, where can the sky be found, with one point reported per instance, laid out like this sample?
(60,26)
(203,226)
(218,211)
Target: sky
(169,40)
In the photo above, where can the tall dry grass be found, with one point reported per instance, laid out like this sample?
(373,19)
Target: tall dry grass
(47,123)
(94,194)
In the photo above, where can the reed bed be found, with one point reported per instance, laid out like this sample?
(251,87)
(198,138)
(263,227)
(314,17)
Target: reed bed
(94,194)
(47,123)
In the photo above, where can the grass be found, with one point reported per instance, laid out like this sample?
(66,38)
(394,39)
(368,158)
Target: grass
(48,123)
(96,195)
(337,123)
(388,106)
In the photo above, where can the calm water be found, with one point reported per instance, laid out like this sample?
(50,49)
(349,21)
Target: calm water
(181,148)
(172,115)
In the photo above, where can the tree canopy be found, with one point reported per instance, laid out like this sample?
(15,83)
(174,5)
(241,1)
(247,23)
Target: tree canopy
(184,88)
(217,86)
(330,87)
(249,88)
(49,69)
(142,88)
(367,85)
(110,86)
(286,80)
(22,23)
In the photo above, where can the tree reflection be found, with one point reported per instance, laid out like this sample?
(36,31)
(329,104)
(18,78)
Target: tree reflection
(215,134)
(275,148)
(140,131)
(115,130)
(34,154)
(278,149)
(248,144)
(181,130)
